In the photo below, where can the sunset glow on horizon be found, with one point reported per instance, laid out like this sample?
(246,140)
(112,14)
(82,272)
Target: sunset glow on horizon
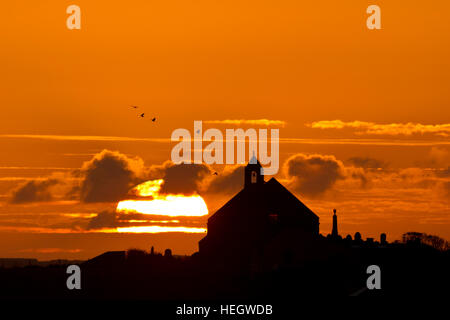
(160,229)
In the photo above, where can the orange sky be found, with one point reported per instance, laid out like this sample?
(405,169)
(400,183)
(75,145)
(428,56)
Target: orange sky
(293,61)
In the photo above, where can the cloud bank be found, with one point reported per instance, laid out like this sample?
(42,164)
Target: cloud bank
(109,176)
(34,191)
(393,129)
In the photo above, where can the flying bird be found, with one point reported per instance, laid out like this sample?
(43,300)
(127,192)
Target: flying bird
(154,119)
(215,173)
(134,107)
(142,115)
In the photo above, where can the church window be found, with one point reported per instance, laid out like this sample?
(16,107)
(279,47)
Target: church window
(253,176)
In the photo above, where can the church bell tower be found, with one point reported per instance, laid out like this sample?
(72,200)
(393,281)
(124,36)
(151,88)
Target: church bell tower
(253,174)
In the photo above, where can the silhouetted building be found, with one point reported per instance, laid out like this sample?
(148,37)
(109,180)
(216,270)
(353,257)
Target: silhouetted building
(357,237)
(168,253)
(109,258)
(260,213)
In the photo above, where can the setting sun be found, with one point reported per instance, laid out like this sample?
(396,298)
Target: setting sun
(163,205)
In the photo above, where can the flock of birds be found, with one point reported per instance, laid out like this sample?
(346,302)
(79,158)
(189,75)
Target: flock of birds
(142,115)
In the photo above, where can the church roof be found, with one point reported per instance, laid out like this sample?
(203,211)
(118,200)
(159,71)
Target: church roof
(272,196)
(279,194)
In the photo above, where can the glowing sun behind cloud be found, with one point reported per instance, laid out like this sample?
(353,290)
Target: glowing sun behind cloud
(169,205)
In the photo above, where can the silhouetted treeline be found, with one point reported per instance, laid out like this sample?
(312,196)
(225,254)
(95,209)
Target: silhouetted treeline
(417,238)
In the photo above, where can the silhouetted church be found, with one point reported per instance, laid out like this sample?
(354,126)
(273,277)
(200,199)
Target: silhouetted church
(256,217)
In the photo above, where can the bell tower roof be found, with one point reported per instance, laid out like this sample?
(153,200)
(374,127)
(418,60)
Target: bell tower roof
(253,160)
(253,173)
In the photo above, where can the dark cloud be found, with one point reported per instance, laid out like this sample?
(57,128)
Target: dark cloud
(109,176)
(229,181)
(103,220)
(34,191)
(367,162)
(443,173)
(181,178)
(313,174)
(361,176)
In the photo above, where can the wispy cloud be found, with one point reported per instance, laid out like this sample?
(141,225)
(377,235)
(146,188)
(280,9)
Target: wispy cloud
(81,138)
(368,142)
(258,122)
(37,168)
(363,127)
(325,141)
